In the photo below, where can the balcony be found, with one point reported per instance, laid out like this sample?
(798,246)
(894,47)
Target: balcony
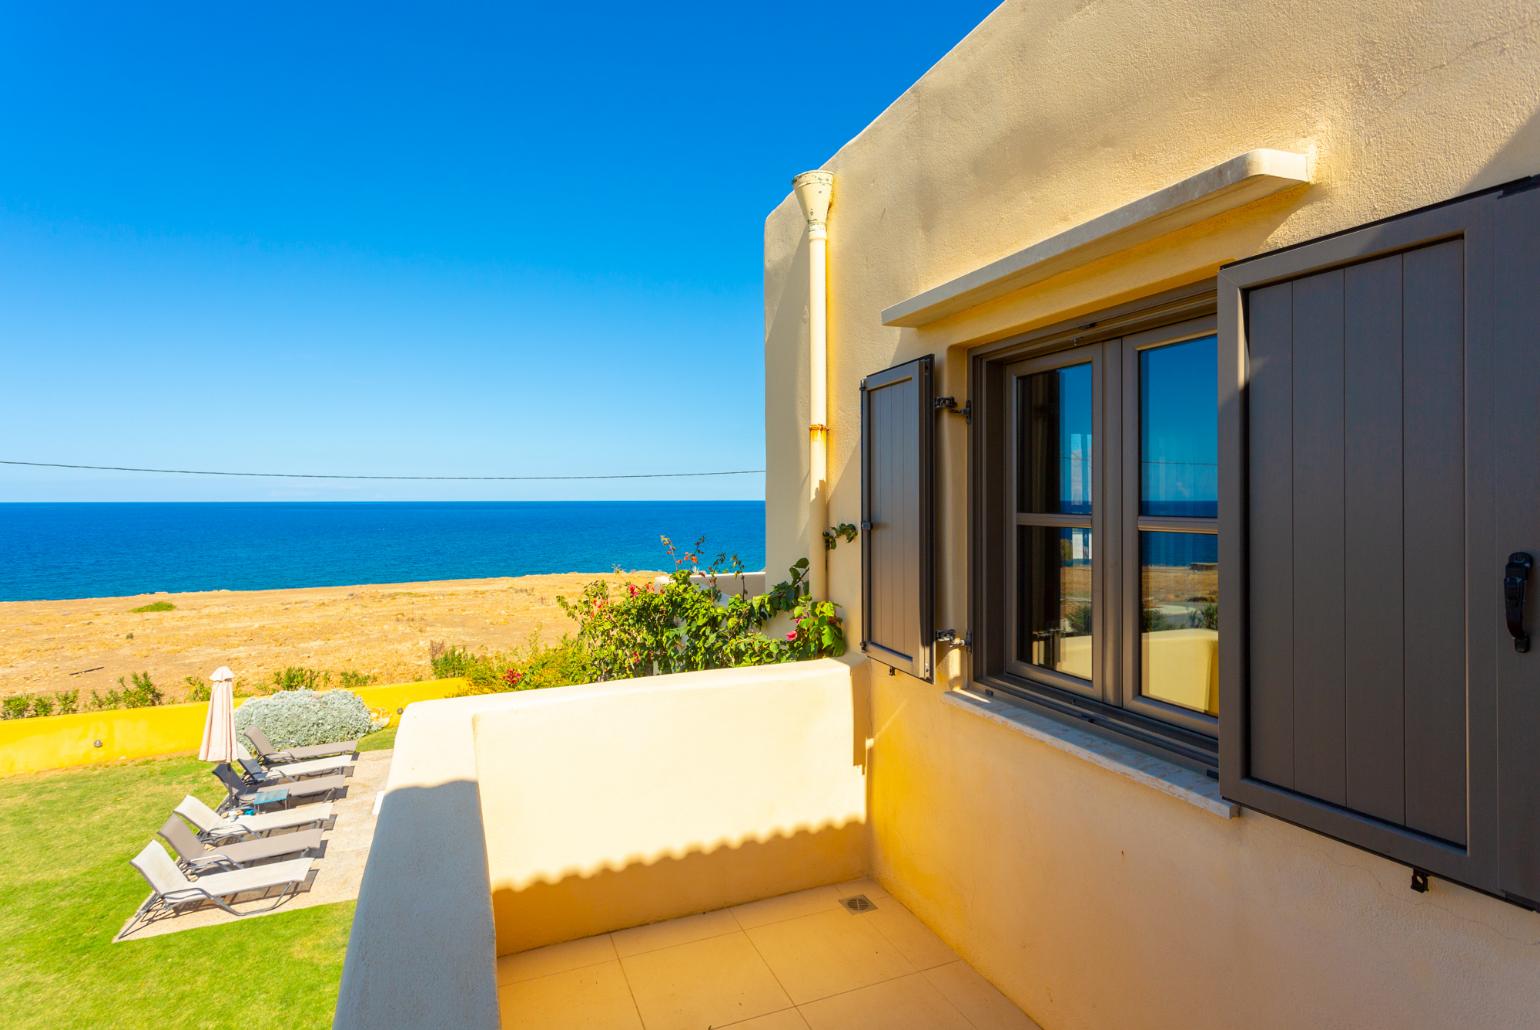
(676,851)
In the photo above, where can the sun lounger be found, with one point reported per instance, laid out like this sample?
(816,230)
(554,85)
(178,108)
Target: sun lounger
(282,776)
(172,891)
(198,857)
(213,827)
(314,767)
(277,756)
(244,791)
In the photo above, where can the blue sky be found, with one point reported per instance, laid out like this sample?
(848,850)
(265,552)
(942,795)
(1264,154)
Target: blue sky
(432,238)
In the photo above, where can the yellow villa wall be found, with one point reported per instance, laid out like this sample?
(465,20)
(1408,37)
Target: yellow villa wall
(1091,900)
(63,741)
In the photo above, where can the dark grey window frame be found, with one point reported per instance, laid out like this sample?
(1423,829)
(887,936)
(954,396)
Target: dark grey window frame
(1111,340)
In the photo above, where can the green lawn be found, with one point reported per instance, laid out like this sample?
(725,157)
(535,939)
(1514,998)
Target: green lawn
(384,740)
(66,887)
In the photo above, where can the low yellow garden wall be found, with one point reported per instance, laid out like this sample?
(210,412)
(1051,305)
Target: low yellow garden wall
(65,741)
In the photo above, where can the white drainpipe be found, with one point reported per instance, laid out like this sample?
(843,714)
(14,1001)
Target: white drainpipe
(814,190)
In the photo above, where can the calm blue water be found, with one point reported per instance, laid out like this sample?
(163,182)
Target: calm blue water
(52,551)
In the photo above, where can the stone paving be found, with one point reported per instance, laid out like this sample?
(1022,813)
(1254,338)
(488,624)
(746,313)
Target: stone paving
(338,871)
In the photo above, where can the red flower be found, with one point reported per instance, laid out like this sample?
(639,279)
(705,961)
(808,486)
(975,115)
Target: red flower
(792,635)
(512,677)
(631,587)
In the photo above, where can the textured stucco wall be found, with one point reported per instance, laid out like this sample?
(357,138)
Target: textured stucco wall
(1091,901)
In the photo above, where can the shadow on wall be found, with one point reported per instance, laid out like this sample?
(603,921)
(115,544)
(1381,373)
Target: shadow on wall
(702,879)
(1518,158)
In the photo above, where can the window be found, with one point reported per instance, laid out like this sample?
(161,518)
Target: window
(1097,574)
(1352,455)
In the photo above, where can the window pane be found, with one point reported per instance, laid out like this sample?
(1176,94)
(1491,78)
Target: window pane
(1054,598)
(1179,429)
(1179,642)
(1055,444)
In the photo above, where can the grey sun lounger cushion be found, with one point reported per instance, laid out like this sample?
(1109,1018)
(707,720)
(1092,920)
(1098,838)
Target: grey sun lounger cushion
(199,857)
(314,767)
(173,891)
(272,755)
(234,826)
(280,776)
(298,790)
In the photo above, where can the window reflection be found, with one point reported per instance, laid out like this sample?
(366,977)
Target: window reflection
(1055,444)
(1179,619)
(1179,429)
(1054,598)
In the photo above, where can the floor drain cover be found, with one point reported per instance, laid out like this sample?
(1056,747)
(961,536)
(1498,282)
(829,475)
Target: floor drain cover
(857,904)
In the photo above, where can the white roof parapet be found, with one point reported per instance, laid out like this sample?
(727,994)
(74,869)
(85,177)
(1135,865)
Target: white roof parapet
(1240,180)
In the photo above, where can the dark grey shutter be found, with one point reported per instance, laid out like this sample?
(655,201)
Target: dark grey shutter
(897,516)
(1368,418)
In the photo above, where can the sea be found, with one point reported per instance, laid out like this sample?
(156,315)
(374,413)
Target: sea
(57,551)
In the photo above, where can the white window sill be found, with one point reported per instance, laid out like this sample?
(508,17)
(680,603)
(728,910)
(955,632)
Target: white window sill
(1169,778)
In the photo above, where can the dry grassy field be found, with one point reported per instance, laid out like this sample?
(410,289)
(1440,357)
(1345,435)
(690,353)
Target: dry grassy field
(383,631)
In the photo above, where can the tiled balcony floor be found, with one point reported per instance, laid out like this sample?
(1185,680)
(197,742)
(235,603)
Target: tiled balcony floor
(796,962)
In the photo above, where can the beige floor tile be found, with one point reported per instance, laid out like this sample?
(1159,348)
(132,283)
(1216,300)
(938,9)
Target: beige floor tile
(591,998)
(909,1002)
(912,938)
(702,984)
(977,999)
(786,1019)
(786,906)
(557,958)
(829,953)
(674,931)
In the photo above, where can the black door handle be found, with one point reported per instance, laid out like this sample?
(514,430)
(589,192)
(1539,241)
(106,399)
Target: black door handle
(1515,580)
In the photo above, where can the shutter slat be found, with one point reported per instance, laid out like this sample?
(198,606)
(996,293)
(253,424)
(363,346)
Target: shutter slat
(1320,765)
(1372,577)
(1271,536)
(1434,544)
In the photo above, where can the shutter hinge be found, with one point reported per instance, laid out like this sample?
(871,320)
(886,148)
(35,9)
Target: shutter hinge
(949,404)
(949,636)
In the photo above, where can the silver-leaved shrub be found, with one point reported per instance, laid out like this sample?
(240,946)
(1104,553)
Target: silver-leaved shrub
(296,718)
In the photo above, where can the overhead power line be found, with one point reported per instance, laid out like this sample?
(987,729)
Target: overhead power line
(320,475)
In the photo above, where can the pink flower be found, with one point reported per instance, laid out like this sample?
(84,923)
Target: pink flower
(792,635)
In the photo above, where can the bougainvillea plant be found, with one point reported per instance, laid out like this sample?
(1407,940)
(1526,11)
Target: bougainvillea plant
(684,625)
